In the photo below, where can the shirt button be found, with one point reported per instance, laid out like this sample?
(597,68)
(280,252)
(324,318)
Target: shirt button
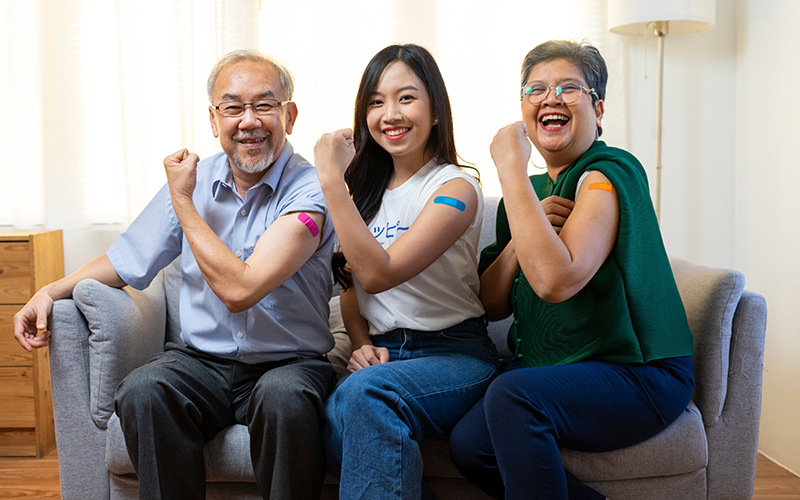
(519,355)
(516,280)
(516,321)
(244,212)
(519,340)
(240,334)
(238,253)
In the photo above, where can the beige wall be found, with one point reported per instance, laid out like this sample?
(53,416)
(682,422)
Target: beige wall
(767,228)
(698,144)
(731,176)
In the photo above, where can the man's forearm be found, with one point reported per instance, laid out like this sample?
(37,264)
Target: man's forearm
(99,269)
(280,252)
(216,261)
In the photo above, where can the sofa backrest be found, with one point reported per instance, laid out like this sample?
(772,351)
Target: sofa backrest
(710,296)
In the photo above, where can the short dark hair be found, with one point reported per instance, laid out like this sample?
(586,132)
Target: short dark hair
(582,54)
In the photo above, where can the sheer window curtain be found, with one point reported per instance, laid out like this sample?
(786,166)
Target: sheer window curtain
(98,92)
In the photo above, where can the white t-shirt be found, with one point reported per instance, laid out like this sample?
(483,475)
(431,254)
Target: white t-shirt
(446,292)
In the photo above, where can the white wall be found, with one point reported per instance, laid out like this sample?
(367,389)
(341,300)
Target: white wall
(767,178)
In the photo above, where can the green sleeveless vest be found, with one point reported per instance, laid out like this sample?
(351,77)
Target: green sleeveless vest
(630,311)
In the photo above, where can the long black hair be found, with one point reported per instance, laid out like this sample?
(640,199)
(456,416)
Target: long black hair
(370,171)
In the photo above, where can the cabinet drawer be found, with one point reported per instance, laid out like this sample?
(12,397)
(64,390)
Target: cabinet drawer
(11,353)
(17,406)
(15,272)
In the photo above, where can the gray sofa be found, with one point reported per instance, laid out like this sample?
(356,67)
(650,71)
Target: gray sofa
(708,453)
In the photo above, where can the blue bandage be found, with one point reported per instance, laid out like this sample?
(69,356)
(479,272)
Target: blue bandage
(446,200)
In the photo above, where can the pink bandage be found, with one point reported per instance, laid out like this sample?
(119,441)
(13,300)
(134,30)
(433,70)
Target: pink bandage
(309,222)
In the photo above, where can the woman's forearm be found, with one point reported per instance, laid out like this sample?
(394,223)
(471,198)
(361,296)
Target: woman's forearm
(496,283)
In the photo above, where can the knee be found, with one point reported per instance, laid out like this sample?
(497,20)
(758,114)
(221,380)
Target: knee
(280,398)
(500,392)
(506,394)
(137,391)
(363,387)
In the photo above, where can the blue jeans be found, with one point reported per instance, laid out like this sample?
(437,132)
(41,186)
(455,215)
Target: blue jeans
(508,444)
(377,416)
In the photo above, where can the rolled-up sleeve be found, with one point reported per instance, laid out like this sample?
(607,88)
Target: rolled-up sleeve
(150,243)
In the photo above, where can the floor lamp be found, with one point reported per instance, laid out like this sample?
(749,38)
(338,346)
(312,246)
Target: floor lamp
(660,17)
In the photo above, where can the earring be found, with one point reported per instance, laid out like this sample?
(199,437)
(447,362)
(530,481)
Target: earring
(435,121)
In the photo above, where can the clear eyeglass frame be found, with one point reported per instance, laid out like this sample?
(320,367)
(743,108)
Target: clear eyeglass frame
(568,95)
(262,107)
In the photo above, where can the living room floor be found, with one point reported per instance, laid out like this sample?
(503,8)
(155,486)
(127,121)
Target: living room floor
(32,478)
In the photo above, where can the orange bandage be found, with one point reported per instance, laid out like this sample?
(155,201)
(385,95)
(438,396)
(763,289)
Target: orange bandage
(602,185)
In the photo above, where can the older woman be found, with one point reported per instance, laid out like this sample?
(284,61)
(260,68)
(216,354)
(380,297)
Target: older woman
(602,350)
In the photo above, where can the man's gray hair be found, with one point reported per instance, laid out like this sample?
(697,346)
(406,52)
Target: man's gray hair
(236,56)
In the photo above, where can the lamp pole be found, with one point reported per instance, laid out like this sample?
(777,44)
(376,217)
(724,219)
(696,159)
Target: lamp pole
(661,29)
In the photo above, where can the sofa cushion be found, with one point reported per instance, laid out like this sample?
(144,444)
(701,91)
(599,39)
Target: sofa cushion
(679,449)
(126,328)
(339,356)
(117,458)
(710,296)
(173,279)
(227,456)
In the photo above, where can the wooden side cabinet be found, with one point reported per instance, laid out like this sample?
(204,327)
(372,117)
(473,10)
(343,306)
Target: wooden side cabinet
(28,261)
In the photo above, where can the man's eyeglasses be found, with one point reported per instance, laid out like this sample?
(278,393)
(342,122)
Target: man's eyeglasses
(535,93)
(263,107)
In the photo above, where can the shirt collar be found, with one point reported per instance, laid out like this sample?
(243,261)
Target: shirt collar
(223,176)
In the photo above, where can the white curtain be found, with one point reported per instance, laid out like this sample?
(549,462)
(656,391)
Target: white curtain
(98,92)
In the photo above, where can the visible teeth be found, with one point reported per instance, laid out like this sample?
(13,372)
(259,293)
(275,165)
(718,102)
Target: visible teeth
(396,132)
(554,117)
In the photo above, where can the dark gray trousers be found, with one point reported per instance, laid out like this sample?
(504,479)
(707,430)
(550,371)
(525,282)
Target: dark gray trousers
(181,398)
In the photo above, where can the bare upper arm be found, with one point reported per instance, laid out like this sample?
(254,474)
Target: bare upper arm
(439,225)
(590,232)
(279,253)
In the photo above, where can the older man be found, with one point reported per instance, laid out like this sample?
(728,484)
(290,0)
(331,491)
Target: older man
(255,246)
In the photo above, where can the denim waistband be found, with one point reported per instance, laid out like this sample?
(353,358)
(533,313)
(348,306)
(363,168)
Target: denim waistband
(466,338)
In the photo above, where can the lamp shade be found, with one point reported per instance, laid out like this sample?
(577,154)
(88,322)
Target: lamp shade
(631,17)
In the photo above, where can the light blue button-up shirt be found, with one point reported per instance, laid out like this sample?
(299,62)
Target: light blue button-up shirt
(292,320)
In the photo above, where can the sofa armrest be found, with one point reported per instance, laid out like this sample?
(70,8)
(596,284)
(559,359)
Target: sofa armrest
(733,439)
(127,327)
(81,444)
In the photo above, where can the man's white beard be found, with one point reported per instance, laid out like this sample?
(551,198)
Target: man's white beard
(256,167)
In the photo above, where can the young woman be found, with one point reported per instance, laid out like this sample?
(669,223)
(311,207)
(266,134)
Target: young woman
(602,347)
(408,227)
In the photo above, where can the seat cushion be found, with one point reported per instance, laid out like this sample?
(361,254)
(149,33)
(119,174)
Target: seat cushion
(227,455)
(679,449)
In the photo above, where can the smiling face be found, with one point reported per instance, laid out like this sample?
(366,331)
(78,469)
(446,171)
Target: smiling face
(399,115)
(252,142)
(561,132)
